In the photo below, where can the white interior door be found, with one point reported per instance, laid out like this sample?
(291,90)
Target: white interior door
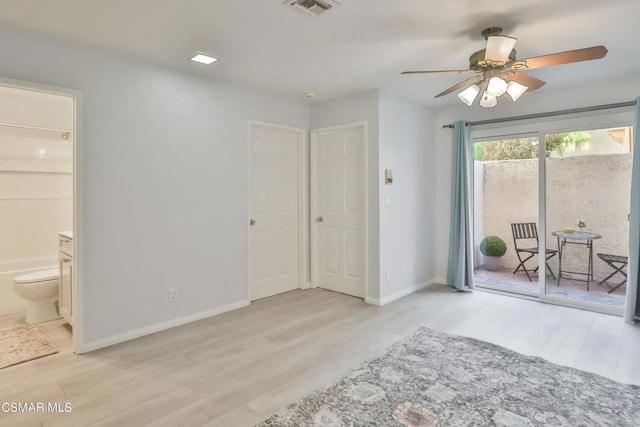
(338,208)
(274,206)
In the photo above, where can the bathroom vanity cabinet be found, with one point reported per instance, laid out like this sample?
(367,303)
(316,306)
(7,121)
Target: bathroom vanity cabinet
(65,291)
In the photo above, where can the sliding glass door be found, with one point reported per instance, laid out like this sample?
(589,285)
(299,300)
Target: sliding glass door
(551,204)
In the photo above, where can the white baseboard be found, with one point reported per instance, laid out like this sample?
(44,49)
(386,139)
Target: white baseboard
(400,294)
(306,286)
(372,301)
(127,336)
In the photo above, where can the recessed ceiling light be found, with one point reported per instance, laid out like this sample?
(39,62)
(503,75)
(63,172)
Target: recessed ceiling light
(203,59)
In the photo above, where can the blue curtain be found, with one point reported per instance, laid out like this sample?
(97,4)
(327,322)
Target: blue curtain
(460,268)
(633,300)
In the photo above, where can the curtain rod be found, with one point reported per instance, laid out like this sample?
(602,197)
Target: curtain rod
(9,125)
(549,114)
(39,132)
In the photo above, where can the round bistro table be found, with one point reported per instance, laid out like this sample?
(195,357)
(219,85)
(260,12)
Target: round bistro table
(576,238)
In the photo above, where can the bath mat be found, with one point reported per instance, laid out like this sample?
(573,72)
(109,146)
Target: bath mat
(23,343)
(436,379)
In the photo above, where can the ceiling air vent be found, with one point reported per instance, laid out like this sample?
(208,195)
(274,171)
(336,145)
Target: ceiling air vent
(311,7)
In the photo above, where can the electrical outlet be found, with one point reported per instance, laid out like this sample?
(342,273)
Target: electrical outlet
(173,295)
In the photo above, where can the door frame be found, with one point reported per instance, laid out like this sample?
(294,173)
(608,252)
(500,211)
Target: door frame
(313,196)
(77,274)
(303,203)
(541,127)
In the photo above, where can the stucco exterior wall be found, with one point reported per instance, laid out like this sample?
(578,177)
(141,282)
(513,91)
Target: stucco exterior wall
(594,188)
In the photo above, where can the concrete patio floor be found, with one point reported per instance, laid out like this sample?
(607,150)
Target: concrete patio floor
(572,289)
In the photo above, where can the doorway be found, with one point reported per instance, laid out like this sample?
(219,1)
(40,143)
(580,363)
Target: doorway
(38,187)
(338,209)
(277,200)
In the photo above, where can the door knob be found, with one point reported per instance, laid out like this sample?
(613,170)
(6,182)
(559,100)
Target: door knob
(252,222)
(319,219)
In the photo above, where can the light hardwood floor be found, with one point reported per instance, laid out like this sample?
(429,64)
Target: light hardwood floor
(238,368)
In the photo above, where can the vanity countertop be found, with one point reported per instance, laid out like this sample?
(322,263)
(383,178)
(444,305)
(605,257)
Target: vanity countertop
(67,234)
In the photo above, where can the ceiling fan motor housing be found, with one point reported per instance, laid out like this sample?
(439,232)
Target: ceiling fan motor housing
(477,61)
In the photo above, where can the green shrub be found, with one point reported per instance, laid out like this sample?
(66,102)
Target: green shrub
(507,149)
(559,142)
(493,246)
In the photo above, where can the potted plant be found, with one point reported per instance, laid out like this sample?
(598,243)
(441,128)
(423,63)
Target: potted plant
(581,225)
(492,247)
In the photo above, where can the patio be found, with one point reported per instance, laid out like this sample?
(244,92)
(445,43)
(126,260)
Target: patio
(505,280)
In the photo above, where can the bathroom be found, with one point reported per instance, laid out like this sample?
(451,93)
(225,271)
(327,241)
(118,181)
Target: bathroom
(36,206)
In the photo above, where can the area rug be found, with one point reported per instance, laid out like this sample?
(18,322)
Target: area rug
(23,343)
(436,379)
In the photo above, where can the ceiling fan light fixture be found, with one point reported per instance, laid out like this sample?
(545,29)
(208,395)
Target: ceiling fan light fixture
(469,95)
(488,101)
(498,71)
(496,87)
(516,90)
(499,48)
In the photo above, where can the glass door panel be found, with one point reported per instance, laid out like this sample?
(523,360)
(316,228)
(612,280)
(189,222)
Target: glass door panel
(588,179)
(505,191)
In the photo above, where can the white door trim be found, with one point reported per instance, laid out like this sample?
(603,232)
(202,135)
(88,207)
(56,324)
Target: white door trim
(78,344)
(313,195)
(303,203)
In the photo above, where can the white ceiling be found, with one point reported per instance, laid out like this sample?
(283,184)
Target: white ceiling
(360,45)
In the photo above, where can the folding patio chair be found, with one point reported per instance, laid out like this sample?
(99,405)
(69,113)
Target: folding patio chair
(528,231)
(612,260)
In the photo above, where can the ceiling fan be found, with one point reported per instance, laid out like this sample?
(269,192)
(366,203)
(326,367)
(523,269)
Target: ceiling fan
(497,70)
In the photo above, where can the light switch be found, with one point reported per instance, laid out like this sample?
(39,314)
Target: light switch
(388,176)
(387,200)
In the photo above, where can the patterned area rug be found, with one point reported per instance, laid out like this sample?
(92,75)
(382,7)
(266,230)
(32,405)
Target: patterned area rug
(436,379)
(22,343)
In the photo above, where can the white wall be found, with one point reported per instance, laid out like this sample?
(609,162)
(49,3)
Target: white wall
(350,109)
(407,231)
(165,181)
(36,185)
(624,88)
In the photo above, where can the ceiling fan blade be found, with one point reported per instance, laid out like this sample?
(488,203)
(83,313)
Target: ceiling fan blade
(531,82)
(460,85)
(578,55)
(437,71)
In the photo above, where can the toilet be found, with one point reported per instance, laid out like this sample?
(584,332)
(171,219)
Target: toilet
(40,289)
